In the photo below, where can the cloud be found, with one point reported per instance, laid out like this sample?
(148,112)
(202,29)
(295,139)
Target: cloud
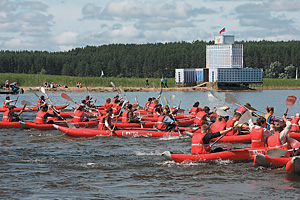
(90,11)
(66,38)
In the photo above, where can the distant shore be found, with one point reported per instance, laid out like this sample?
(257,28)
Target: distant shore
(142,89)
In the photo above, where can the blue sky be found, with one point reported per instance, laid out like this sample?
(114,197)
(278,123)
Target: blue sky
(61,25)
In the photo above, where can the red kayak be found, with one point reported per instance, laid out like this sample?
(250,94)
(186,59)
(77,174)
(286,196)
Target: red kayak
(293,166)
(88,132)
(234,155)
(31,108)
(135,125)
(31,124)
(10,125)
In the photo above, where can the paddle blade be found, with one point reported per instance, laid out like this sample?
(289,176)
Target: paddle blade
(275,153)
(245,117)
(24,102)
(166,100)
(215,94)
(65,96)
(43,90)
(250,108)
(70,125)
(172,97)
(290,101)
(136,100)
(122,89)
(31,90)
(221,112)
(113,85)
(231,99)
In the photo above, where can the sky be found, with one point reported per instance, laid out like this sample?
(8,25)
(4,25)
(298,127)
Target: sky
(62,25)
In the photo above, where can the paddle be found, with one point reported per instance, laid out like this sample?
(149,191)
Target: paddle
(118,115)
(55,111)
(275,153)
(17,98)
(217,96)
(159,93)
(290,101)
(136,100)
(123,92)
(244,118)
(90,94)
(167,102)
(67,97)
(31,90)
(251,108)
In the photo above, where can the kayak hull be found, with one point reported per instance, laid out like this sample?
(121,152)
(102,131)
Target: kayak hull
(293,166)
(8,125)
(88,132)
(265,161)
(234,155)
(31,108)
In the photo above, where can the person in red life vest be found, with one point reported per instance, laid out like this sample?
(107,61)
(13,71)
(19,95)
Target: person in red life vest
(117,98)
(218,125)
(195,109)
(128,115)
(7,102)
(42,115)
(201,141)
(158,110)
(89,102)
(105,121)
(147,104)
(151,108)
(242,109)
(41,101)
(165,121)
(10,116)
(258,133)
(79,114)
(231,122)
(295,123)
(108,103)
(54,112)
(281,138)
(203,117)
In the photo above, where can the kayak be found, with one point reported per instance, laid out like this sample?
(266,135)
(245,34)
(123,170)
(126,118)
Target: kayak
(234,155)
(32,108)
(293,166)
(265,161)
(246,139)
(88,132)
(31,124)
(134,125)
(10,125)
(295,135)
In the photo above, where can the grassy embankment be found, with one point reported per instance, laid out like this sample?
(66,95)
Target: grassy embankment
(32,80)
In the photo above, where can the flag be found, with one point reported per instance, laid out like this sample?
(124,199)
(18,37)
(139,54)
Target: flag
(222,30)
(102,74)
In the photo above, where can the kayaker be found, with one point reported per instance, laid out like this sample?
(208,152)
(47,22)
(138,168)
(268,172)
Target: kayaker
(270,118)
(231,122)
(201,141)
(258,133)
(218,125)
(128,115)
(42,115)
(281,138)
(116,98)
(151,108)
(195,109)
(242,109)
(165,122)
(295,123)
(158,110)
(41,101)
(54,112)
(89,102)
(7,102)
(10,116)
(79,114)
(147,104)
(108,103)
(203,117)
(105,121)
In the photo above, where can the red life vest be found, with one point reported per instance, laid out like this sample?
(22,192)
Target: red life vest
(78,116)
(199,119)
(116,109)
(147,104)
(257,138)
(274,142)
(52,113)
(241,110)
(107,105)
(229,124)
(125,118)
(213,116)
(7,117)
(197,144)
(152,107)
(39,103)
(5,105)
(39,119)
(101,125)
(195,110)
(295,126)
(160,125)
(218,126)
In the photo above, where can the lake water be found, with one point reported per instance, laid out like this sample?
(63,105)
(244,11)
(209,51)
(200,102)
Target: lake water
(49,165)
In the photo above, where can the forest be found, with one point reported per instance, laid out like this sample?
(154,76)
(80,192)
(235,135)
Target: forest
(278,59)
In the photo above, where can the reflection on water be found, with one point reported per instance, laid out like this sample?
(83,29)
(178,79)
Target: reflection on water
(49,165)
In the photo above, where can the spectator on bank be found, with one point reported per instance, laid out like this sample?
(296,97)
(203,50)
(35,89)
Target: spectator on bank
(147,83)
(166,81)
(7,84)
(162,82)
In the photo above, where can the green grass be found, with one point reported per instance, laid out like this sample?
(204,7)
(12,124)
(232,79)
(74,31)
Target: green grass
(269,82)
(32,80)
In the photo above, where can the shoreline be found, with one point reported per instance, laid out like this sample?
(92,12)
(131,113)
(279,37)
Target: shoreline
(142,89)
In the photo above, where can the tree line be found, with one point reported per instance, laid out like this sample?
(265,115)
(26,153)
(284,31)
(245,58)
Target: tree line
(278,59)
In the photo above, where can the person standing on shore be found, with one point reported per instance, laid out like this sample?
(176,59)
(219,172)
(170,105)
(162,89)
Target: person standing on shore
(166,82)
(162,82)
(147,83)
